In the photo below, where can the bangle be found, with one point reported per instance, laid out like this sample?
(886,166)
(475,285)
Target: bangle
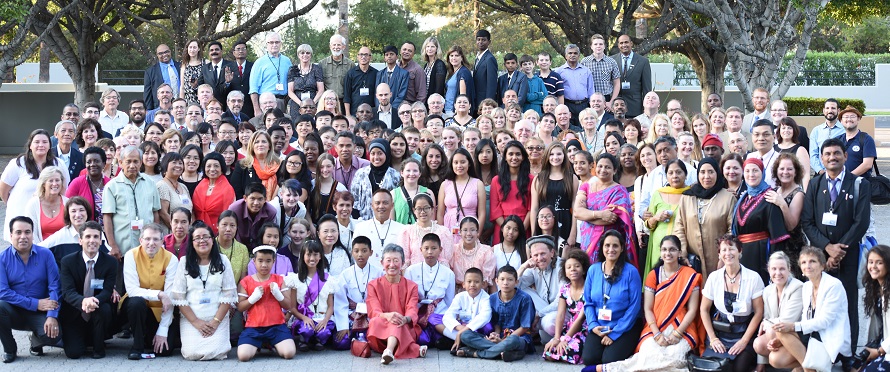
(678,334)
(217,320)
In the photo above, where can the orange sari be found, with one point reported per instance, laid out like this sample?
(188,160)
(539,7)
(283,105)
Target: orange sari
(671,298)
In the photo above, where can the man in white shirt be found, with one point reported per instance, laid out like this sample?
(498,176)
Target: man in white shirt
(148,276)
(381,229)
(762,133)
(651,103)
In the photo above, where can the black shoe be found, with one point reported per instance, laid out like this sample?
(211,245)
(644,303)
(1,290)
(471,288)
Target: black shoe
(125,334)
(444,343)
(98,354)
(318,347)
(304,347)
(8,358)
(513,355)
(134,356)
(37,351)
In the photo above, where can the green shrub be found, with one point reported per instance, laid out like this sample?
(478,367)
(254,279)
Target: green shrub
(809,106)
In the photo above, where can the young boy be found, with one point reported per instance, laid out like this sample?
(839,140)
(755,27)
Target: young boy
(512,313)
(469,311)
(435,289)
(351,311)
(265,320)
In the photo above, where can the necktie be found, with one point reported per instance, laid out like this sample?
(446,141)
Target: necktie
(174,79)
(626,60)
(833,189)
(216,72)
(241,70)
(87,286)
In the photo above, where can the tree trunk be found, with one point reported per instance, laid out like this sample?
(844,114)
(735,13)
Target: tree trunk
(343,29)
(709,65)
(44,64)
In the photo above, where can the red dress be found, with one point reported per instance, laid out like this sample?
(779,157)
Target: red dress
(385,297)
(512,205)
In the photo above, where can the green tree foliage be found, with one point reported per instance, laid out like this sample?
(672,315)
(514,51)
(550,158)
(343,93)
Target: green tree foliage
(302,31)
(376,23)
(870,36)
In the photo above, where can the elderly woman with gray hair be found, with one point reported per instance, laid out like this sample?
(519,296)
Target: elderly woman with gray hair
(392,310)
(304,80)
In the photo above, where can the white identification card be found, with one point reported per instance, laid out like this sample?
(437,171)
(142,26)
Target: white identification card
(426,301)
(279,86)
(97,283)
(604,315)
(136,224)
(205,299)
(625,85)
(829,219)
(364,92)
(184,199)
(739,307)
(304,96)
(361,308)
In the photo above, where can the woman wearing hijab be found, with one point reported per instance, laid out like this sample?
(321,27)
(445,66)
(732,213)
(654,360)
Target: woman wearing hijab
(705,214)
(758,223)
(379,175)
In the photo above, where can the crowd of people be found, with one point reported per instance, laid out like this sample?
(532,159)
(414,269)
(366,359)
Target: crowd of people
(438,205)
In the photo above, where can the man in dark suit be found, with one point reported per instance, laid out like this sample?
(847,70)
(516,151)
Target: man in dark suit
(243,67)
(71,157)
(87,292)
(165,71)
(220,73)
(485,76)
(636,76)
(836,215)
(512,80)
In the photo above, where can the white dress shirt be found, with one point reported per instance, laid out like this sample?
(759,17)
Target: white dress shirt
(433,283)
(131,281)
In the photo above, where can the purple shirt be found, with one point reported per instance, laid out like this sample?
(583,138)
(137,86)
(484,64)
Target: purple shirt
(23,285)
(344,175)
(577,82)
(248,227)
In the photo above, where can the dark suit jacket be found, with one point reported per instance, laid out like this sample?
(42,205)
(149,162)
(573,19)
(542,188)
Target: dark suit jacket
(76,164)
(519,85)
(152,80)
(220,88)
(485,77)
(396,120)
(398,84)
(73,273)
(640,78)
(606,117)
(244,86)
(854,212)
(242,115)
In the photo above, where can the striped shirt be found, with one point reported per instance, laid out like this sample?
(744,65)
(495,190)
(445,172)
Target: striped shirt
(553,83)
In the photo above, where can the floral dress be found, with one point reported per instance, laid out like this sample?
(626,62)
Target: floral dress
(191,94)
(574,309)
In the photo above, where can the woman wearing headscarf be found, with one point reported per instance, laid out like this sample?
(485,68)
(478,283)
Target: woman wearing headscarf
(378,175)
(758,223)
(705,214)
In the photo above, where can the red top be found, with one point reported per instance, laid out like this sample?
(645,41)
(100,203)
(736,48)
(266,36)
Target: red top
(512,205)
(267,311)
(49,226)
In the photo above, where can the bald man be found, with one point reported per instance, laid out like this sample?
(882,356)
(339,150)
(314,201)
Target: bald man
(386,111)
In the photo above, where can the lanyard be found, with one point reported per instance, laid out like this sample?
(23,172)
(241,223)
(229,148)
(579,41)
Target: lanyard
(277,68)
(546,283)
(205,278)
(358,284)
(606,294)
(135,201)
(385,234)
(426,291)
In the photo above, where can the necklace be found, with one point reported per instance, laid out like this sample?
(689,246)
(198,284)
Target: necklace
(732,279)
(704,205)
(470,252)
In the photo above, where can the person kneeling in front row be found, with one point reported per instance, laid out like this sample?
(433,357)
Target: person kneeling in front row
(265,321)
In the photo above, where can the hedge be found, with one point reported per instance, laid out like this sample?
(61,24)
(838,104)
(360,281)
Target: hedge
(809,106)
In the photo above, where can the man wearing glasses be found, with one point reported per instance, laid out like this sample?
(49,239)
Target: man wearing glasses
(239,52)
(269,74)
(166,71)
(358,84)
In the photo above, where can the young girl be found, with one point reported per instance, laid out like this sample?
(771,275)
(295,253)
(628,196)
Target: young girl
(511,250)
(297,232)
(313,305)
(399,147)
(571,326)
(485,157)
(471,137)
(462,194)
(288,206)
(556,186)
(412,235)
(271,236)
(546,225)
(451,140)
(404,195)
(192,157)
(294,167)
(321,202)
(511,188)
(433,170)
(469,252)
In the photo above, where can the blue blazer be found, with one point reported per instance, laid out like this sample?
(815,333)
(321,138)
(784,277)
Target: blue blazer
(75,165)
(519,85)
(486,79)
(398,85)
(152,80)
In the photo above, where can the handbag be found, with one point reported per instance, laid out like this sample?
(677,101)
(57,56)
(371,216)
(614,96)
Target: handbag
(880,187)
(695,262)
(696,363)
(816,357)
(360,348)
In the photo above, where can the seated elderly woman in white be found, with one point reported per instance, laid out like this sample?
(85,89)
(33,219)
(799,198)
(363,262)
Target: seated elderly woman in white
(782,302)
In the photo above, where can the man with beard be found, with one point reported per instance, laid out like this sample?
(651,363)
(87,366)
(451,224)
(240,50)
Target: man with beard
(387,111)
(822,132)
(220,73)
(619,108)
(235,104)
(760,99)
(336,66)
(137,116)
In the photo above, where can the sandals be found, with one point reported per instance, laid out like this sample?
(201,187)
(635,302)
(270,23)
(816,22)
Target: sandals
(423,350)
(387,357)
(465,352)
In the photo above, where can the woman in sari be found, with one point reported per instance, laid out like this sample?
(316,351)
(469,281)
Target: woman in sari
(758,223)
(704,215)
(671,297)
(602,204)
(664,205)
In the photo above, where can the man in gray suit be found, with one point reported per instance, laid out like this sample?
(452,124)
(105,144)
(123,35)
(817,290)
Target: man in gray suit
(636,76)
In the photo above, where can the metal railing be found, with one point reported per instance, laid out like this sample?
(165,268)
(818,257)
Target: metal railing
(122,77)
(687,77)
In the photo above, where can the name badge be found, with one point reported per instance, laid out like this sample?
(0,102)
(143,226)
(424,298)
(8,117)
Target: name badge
(739,307)
(364,92)
(97,283)
(361,308)
(184,199)
(829,219)
(625,85)
(304,96)
(426,302)
(205,300)
(136,225)
(279,86)
(604,314)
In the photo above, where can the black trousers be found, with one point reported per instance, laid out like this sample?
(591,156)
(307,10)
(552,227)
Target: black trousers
(846,273)
(77,333)
(596,353)
(144,326)
(14,317)
(576,108)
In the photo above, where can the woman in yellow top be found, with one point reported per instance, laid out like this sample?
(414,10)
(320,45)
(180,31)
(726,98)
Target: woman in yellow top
(663,207)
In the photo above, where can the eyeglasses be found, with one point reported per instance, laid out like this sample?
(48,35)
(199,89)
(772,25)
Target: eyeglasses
(423,209)
(670,250)
(404,113)
(165,52)
(227,132)
(364,55)
(545,217)
(205,238)
(419,111)
(295,163)
(425,140)
(535,148)
(779,110)
(364,111)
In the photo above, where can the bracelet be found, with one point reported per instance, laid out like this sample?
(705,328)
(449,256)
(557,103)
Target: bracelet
(217,320)
(678,334)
